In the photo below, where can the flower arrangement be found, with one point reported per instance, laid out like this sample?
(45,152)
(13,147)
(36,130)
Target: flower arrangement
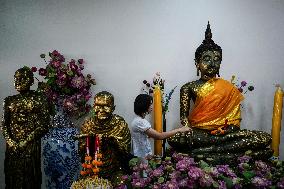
(65,85)
(181,171)
(158,81)
(242,86)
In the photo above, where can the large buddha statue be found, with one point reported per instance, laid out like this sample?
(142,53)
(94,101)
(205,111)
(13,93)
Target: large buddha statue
(26,119)
(216,114)
(115,144)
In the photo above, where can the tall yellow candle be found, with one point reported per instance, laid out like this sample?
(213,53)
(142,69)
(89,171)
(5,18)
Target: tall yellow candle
(276,121)
(158,119)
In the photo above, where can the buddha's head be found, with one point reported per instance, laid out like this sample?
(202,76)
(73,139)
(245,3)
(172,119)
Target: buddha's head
(208,57)
(103,105)
(23,79)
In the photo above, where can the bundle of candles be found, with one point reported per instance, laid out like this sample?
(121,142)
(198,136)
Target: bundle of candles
(91,164)
(91,183)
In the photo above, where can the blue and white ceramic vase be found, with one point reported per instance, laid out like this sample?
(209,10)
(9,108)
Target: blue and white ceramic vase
(60,153)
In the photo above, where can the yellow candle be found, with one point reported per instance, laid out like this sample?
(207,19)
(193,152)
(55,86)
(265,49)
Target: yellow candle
(276,121)
(158,119)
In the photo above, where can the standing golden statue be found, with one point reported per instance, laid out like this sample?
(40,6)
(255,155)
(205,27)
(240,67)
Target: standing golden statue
(115,145)
(26,119)
(216,115)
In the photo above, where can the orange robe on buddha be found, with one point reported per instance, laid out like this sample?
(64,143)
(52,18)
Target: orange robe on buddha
(217,104)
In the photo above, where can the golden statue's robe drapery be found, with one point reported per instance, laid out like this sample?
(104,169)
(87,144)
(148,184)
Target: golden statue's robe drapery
(26,118)
(115,149)
(217,104)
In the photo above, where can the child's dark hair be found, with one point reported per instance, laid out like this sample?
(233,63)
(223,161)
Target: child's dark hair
(142,103)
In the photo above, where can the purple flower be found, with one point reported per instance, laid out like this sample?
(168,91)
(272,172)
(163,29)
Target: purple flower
(280,184)
(81,66)
(87,108)
(182,165)
(56,64)
(177,156)
(158,172)
(157,186)
(135,175)
(55,53)
(69,105)
(52,95)
(34,69)
(175,174)
(183,183)
(88,96)
(222,184)
(78,82)
(259,182)
(206,180)
(81,61)
(42,72)
(124,177)
(224,169)
(61,79)
(260,165)
(214,172)
(243,83)
(121,186)
(242,166)
(143,166)
(195,173)
(138,183)
(171,185)
(244,159)
(73,65)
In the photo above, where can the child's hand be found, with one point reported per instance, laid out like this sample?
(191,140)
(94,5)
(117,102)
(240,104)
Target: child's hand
(185,129)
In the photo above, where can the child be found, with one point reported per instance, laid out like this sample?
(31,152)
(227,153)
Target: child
(141,129)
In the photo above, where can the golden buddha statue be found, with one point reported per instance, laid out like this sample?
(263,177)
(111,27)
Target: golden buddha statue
(26,119)
(115,145)
(216,115)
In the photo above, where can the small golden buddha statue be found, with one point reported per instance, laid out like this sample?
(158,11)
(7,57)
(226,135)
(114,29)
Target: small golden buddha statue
(26,119)
(216,115)
(115,145)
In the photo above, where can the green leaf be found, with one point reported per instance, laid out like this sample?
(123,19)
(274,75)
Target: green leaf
(161,180)
(133,162)
(152,164)
(228,181)
(203,164)
(70,73)
(50,81)
(248,174)
(215,184)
